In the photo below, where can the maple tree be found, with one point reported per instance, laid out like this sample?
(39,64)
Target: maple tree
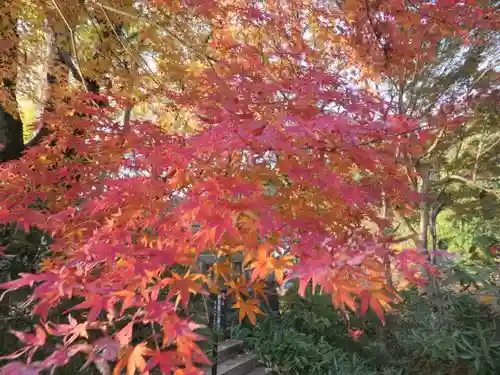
(289,165)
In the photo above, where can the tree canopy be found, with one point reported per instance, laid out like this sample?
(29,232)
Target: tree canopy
(272,138)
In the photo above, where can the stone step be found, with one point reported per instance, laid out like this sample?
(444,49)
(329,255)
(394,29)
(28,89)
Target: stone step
(239,365)
(258,371)
(228,349)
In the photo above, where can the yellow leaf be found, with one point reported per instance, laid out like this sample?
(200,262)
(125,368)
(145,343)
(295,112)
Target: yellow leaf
(78,233)
(487,299)
(121,263)
(195,68)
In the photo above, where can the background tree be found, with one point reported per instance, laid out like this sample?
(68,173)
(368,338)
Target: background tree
(432,83)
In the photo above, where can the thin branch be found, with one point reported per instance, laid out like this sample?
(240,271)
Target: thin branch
(476,81)
(384,49)
(436,141)
(125,47)
(490,147)
(101,37)
(66,59)
(174,35)
(405,220)
(126,117)
(404,238)
(478,155)
(410,169)
(73,46)
(471,184)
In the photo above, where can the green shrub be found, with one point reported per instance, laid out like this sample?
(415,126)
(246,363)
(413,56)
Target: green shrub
(454,331)
(289,352)
(452,334)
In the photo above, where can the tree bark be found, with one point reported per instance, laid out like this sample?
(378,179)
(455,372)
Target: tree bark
(424,208)
(387,259)
(439,205)
(11,136)
(11,127)
(434,288)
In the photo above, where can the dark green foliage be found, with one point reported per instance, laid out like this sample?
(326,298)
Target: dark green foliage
(288,351)
(309,337)
(23,251)
(455,335)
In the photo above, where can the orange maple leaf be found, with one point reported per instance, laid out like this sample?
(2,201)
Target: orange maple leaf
(238,287)
(265,264)
(223,270)
(128,298)
(378,300)
(258,289)
(248,308)
(133,359)
(182,286)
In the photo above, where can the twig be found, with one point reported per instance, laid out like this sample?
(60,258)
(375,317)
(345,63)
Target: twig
(490,147)
(436,141)
(136,17)
(125,47)
(478,155)
(472,184)
(384,49)
(73,45)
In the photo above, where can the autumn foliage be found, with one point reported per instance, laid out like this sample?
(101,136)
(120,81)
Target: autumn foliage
(289,166)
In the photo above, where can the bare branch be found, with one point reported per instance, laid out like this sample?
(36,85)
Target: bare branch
(404,238)
(478,155)
(407,223)
(66,59)
(436,141)
(73,46)
(472,184)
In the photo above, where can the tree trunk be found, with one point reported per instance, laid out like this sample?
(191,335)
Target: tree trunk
(272,296)
(424,208)
(387,259)
(11,136)
(11,127)
(434,289)
(274,302)
(439,205)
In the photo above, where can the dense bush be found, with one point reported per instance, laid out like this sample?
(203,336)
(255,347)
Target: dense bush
(288,351)
(452,334)
(448,335)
